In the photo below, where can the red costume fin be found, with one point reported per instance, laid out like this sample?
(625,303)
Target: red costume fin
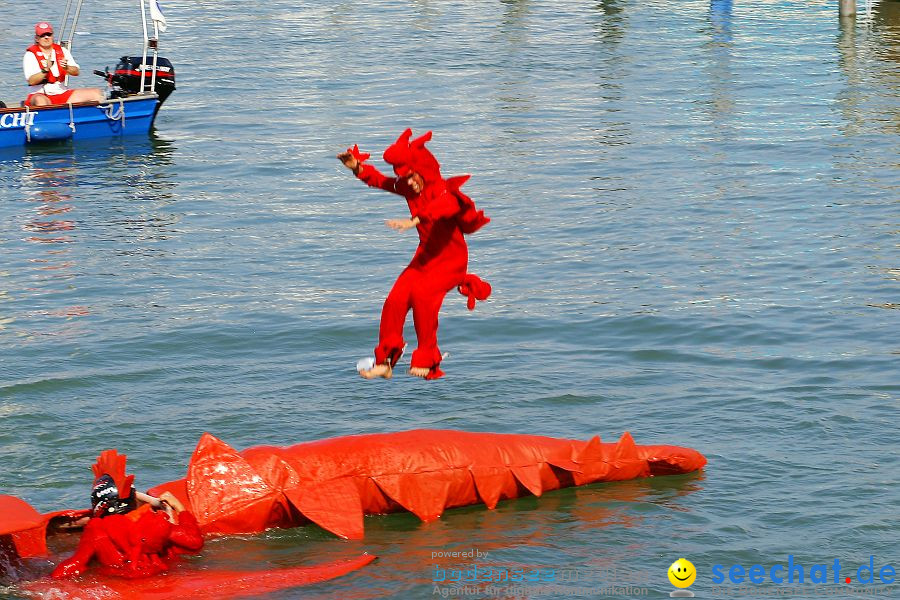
(625,448)
(489,482)
(565,464)
(333,505)
(423,494)
(111,463)
(226,490)
(626,464)
(593,464)
(530,477)
(470,218)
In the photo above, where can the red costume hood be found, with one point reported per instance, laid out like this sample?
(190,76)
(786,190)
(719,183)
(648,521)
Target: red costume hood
(405,156)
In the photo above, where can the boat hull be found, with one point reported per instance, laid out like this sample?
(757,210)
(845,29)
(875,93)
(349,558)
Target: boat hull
(133,115)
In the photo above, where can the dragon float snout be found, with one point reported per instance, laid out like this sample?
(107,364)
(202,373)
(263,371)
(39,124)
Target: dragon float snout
(335,482)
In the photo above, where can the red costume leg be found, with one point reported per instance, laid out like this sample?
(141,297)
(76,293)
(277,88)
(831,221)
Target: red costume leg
(425,317)
(393,316)
(426,305)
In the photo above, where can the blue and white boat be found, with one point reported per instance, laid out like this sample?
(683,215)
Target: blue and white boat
(135,91)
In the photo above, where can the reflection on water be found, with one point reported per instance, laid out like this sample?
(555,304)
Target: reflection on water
(68,198)
(526,533)
(514,96)
(721,77)
(868,54)
(547,533)
(720,19)
(721,107)
(611,28)
(886,23)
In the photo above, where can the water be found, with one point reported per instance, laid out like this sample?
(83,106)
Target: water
(694,239)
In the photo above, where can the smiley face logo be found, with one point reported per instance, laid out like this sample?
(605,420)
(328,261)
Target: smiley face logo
(682,573)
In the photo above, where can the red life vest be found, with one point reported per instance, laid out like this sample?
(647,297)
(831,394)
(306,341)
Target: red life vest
(42,61)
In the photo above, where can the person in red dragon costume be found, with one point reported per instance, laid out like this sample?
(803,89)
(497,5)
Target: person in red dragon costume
(442,215)
(126,539)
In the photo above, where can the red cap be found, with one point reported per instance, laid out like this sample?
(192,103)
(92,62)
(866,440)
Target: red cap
(42,28)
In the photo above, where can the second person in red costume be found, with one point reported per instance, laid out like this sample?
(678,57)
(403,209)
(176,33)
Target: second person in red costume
(125,539)
(442,215)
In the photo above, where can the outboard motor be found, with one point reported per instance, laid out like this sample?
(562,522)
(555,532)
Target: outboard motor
(128,76)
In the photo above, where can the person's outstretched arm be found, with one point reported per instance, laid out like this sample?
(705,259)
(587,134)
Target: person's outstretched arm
(354,160)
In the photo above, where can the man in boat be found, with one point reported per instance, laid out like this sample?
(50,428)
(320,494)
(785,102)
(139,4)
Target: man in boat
(442,215)
(46,66)
(130,534)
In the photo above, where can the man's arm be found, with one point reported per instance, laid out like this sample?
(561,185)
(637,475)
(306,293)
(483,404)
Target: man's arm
(69,66)
(77,563)
(33,73)
(368,174)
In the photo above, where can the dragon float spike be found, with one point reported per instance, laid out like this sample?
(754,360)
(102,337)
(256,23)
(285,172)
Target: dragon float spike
(335,482)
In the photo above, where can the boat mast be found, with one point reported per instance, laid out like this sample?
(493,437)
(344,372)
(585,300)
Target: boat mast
(64,26)
(71,39)
(146,44)
(150,43)
(155,45)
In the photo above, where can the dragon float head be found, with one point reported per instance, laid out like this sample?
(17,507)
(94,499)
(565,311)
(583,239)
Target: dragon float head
(407,156)
(113,491)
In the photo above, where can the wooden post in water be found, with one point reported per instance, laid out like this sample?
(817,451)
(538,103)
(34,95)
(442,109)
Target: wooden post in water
(848,8)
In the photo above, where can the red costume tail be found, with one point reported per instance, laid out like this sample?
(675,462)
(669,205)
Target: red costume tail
(475,288)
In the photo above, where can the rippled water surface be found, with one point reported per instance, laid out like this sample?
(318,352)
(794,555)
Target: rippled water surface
(694,238)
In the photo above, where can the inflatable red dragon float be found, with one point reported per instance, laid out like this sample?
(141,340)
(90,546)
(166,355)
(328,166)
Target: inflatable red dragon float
(335,482)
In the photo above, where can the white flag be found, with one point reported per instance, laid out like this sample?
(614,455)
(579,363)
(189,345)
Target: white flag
(157,15)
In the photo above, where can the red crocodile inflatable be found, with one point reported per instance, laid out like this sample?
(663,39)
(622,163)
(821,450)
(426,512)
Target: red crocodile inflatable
(334,482)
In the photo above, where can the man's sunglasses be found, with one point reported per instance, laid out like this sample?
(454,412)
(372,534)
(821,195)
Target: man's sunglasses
(46,35)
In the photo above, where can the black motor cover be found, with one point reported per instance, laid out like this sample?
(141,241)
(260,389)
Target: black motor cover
(128,75)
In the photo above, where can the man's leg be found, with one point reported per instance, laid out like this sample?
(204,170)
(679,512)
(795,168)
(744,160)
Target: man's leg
(426,305)
(390,331)
(87,95)
(38,100)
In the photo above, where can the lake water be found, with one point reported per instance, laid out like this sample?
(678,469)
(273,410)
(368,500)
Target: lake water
(694,239)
